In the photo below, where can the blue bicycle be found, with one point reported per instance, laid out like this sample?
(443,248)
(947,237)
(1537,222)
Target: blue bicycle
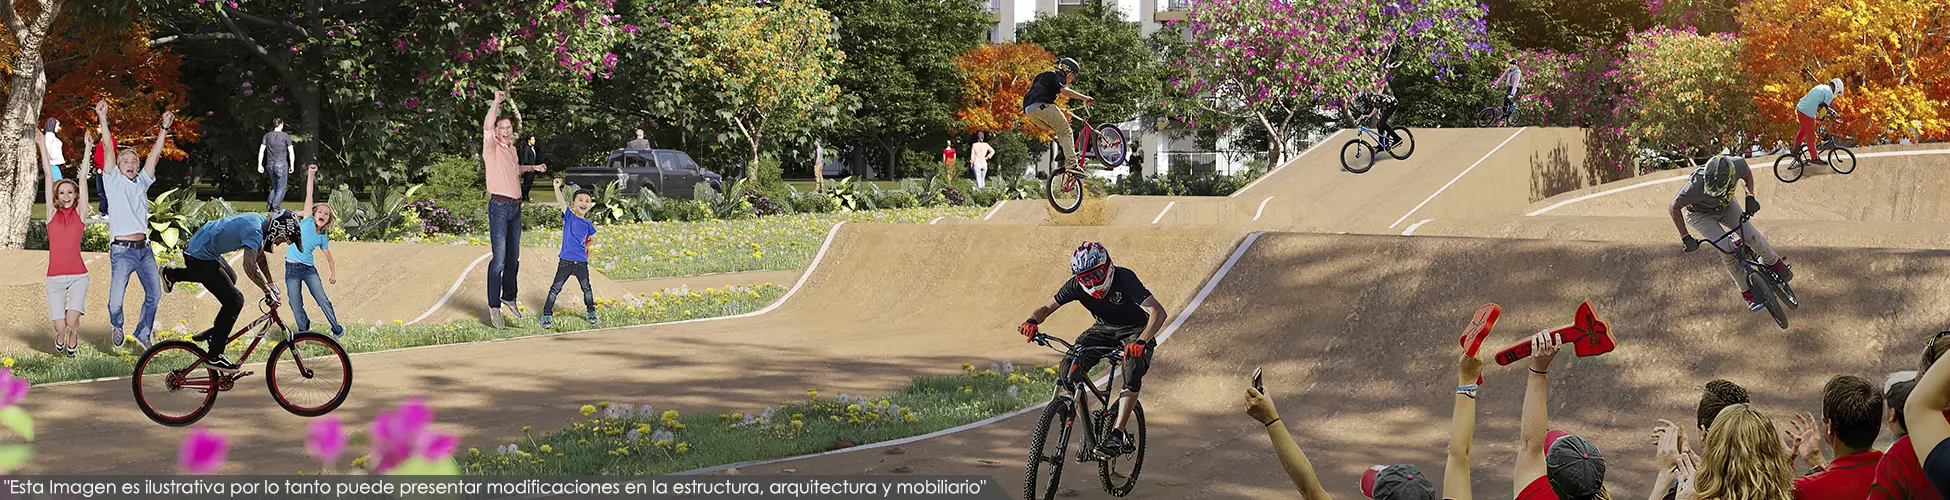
(1770,289)
(1359,154)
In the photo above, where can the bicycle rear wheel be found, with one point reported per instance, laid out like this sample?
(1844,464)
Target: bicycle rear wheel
(1055,413)
(1357,156)
(1763,289)
(1788,168)
(1840,159)
(1109,145)
(1064,189)
(1403,148)
(1120,473)
(309,375)
(172,385)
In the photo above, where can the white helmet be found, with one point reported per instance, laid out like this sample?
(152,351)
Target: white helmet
(1837,85)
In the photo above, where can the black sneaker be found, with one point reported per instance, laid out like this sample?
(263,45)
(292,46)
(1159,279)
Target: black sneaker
(117,338)
(1118,443)
(169,285)
(220,364)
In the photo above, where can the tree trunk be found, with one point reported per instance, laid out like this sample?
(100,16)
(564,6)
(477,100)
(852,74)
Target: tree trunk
(19,163)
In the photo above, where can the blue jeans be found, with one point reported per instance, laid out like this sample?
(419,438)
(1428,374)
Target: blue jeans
(504,238)
(278,177)
(296,278)
(123,260)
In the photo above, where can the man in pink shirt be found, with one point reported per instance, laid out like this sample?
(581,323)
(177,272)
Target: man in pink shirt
(504,209)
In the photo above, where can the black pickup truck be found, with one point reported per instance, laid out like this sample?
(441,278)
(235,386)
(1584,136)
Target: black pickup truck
(667,172)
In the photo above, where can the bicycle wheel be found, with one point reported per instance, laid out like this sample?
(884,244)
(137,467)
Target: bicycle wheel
(1109,146)
(1402,149)
(1840,159)
(1120,473)
(313,379)
(1357,156)
(1788,168)
(1056,412)
(1487,117)
(1763,289)
(1064,188)
(172,386)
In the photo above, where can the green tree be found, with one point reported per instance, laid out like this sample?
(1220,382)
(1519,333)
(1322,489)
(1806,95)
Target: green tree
(1568,25)
(900,76)
(1120,69)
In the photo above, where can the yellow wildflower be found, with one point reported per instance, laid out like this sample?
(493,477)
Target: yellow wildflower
(588,409)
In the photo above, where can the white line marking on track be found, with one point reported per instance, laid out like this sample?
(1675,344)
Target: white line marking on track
(1452,182)
(1190,307)
(992,210)
(1411,227)
(775,305)
(1161,213)
(934,220)
(450,290)
(1561,204)
(1296,159)
(1262,208)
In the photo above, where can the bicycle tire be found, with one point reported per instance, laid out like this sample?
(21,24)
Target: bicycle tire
(1109,146)
(1785,292)
(1037,458)
(1789,163)
(1408,141)
(1135,430)
(332,355)
(1069,181)
(1362,155)
(1841,156)
(144,400)
(1763,289)
(1487,117)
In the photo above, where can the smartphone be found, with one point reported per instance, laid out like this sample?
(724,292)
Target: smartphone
(1258,382)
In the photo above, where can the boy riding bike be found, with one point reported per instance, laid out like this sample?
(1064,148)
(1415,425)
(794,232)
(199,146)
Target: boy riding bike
(1039,104)
(203,263)
(1123,309)
(1513,77)
(1379,107)
(1710,209)
(1809,108)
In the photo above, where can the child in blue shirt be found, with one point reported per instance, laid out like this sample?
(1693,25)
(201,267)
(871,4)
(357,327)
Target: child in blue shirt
(577,233)
(300,271)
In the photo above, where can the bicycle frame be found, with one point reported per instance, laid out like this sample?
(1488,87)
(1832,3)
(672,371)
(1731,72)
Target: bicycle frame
(1740,248)
(1111,355)
(1380,141)
(262,326)
(1081,142)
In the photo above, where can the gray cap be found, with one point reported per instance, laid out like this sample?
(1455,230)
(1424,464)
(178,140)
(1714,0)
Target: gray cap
(1575,469)
(1397,482)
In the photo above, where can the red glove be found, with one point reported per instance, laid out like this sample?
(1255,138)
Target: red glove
(1028,331)
(1134,350)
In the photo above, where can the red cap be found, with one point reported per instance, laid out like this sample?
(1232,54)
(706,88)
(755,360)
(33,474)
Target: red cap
(1368,479)
(1551,437)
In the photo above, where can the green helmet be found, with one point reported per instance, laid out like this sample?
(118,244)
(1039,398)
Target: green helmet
(1717,176)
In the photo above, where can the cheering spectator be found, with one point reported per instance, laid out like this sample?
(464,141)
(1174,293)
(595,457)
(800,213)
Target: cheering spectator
(1742,458)
(1899,476)
(1552,464)
(1851,412)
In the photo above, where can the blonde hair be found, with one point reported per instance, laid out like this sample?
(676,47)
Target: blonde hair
(1743,458)
(57,194)
(331,217)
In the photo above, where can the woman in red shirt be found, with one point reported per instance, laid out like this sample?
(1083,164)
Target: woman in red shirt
(67,275)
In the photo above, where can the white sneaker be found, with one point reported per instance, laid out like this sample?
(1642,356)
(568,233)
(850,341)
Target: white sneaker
(514,308)
(495,319)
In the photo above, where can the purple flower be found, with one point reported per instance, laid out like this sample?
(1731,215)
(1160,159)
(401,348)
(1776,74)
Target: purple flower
(327,439)
(12,389)
(203,452)
(402,433)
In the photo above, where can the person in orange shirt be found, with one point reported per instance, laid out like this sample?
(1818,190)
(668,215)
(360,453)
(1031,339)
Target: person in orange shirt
(504,209)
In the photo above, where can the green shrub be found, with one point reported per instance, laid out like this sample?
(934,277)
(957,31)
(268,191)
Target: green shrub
(687,210)
(896,199)
(541,216)
(763,178)
(451,178)
(818,203)
(920,163)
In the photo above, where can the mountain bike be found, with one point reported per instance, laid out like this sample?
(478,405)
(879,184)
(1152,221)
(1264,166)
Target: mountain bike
(1497,115)
(1062,412)
(1106,143)
(308,373)
(1768,288)
(1358,155)
(1789,167)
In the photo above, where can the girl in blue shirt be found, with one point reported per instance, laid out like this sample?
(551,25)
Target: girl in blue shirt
(577,233)
(300,271)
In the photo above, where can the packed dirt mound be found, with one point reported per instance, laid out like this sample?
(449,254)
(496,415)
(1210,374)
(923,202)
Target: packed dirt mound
(1890,184)
(1785,234)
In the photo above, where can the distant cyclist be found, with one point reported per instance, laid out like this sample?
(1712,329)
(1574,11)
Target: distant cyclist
(1039,104)
(1378,107)
(1710,209)
(1127,315)
(1818,98)
(1510,82)
(203,263)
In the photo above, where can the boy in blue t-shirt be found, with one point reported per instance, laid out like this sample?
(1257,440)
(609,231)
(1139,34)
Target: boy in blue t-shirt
(577,232)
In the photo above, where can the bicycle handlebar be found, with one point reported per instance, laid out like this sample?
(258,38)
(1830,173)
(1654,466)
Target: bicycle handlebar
(1744,217)
(1044,339)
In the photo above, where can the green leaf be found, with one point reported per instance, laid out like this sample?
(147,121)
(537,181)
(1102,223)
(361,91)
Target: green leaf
(14,455)
(17,420)
(422,467)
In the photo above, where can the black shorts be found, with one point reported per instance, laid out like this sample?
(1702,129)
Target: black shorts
(1108,336)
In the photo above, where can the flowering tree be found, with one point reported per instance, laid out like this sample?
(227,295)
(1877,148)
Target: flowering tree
(1260,59)
(770,65)
(1891,53)
(994,78)
(1687,90)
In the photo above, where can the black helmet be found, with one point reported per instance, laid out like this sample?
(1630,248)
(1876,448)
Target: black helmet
(1068,65)
(282,227)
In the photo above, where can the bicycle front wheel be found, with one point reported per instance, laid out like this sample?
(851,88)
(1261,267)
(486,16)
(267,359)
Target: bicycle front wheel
(1120,473)
(1109,145)
(309,375)
(1046,452)
(1840,159)
(1788,168)
(1357,156)
(1763,290)
(1487,117)
(1064,188)
(1403,148)
(172,385)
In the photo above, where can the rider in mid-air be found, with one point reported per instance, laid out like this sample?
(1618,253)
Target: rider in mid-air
(1379,107)
(1710,209)
(1039,104)
(1125,312)
(1820,97)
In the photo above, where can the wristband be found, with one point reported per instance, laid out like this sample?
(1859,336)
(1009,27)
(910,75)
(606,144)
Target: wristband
(1276,420)
(1467,390)
(1534,370)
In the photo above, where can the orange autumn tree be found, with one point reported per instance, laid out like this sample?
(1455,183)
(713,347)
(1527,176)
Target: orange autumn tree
(994,77)
(85,66)
(1891,54)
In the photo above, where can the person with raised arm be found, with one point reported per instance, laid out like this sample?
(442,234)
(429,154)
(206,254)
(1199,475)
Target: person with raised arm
(128,230)
(67,274)
(301,270)
(503,168)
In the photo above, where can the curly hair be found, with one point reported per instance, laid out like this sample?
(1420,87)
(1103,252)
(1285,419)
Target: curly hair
(1743,458)
(1932,349)
(1719,394)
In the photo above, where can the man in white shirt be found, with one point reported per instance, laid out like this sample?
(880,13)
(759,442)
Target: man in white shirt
(128,228)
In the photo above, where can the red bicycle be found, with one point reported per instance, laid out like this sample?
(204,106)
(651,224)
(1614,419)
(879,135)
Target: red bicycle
(309,374)
(1065,185)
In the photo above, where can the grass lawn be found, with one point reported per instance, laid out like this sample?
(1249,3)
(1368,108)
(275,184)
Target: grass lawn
(665,249)
(636,440)
(659,307)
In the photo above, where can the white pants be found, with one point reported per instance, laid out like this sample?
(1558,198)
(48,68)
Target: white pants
(1711,226)
(66,293)
(981,174)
